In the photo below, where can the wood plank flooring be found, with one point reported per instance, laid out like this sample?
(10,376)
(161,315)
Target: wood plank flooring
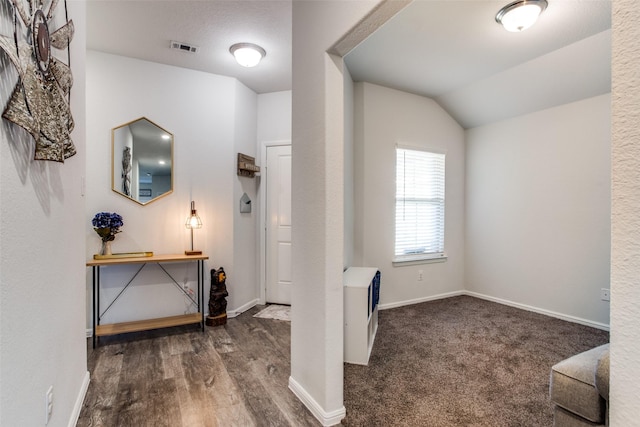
(232,375)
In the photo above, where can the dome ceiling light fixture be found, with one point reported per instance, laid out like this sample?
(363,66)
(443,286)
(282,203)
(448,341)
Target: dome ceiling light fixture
(521,14)
(247,54)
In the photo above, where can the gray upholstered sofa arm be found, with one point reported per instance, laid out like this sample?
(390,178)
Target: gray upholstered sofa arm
(602,380)
(602,375)
(579,389)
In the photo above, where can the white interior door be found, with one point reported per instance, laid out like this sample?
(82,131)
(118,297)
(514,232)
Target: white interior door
(278,225)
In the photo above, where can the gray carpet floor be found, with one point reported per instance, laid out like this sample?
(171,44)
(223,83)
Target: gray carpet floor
(462,361)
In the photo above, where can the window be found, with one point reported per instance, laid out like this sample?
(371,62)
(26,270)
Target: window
(419,205)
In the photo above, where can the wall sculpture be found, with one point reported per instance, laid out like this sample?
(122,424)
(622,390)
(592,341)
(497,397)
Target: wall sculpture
(40,101)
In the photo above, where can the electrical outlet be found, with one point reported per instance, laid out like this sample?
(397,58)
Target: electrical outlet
(48,404)
(420,275)
(188,290)
(605,294)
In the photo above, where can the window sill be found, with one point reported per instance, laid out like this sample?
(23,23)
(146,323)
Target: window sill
(401,262)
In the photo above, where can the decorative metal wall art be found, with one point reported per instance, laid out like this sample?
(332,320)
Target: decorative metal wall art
(40,100)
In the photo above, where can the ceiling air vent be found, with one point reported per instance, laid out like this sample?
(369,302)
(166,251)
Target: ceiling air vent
(184,47)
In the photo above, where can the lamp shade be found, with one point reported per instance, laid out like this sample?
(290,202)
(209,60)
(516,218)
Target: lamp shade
(520,15)
(193,220)
(247,54)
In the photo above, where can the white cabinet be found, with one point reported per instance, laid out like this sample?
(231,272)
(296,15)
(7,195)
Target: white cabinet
(361,296)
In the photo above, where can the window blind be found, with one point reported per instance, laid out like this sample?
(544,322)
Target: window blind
(420,193)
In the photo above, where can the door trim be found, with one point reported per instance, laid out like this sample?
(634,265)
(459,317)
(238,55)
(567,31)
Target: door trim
(263,215)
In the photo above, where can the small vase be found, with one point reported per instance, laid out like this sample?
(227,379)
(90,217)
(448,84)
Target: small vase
(106,248)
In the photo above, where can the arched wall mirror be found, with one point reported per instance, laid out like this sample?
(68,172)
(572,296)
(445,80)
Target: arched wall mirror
(141,161)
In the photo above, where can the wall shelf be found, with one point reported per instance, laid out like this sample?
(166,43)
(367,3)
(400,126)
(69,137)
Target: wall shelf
(247,166)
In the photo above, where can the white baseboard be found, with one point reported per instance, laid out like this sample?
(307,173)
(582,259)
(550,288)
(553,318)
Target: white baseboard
(238,311)
(526,307)
(546,312)
(77,407)
(326,418)
(419,300)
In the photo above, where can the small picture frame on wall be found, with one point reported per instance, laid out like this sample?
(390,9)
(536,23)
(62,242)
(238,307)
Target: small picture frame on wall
(144,192)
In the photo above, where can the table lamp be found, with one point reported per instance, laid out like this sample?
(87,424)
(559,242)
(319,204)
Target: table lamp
(193,221)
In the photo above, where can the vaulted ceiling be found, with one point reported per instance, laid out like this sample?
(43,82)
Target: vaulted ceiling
(456,53)
(451,51)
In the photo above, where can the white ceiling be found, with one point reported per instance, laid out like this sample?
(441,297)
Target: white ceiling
(455,53)
(450,50)
(144,30)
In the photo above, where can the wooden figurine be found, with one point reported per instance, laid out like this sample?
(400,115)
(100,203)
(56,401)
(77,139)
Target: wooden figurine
(217,298)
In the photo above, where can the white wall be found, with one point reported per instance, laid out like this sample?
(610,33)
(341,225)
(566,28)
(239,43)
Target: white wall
(349,172)
(208,115)
(274,116)
(537,210)
(317,205)
(625,228)
(42,285)
(245,225)
(386,117)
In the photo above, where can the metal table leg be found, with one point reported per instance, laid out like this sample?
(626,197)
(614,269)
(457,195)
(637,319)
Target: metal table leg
(201,290)
(96,302)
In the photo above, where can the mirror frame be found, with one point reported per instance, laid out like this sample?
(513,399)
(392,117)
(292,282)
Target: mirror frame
(113,186)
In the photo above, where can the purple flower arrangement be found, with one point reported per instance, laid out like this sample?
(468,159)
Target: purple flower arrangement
(107,225)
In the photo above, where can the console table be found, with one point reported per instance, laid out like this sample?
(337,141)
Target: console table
(143,325)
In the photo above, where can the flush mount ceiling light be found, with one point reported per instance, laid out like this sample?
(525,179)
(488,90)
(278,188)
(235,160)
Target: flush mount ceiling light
(247,54)
(520,15)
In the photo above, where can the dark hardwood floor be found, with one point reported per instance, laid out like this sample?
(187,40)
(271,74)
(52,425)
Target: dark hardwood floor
(232,375)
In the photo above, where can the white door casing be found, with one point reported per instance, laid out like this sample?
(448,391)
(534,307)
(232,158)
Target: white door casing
(278,224)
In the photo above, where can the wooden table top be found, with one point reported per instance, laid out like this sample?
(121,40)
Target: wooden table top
(145,259)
